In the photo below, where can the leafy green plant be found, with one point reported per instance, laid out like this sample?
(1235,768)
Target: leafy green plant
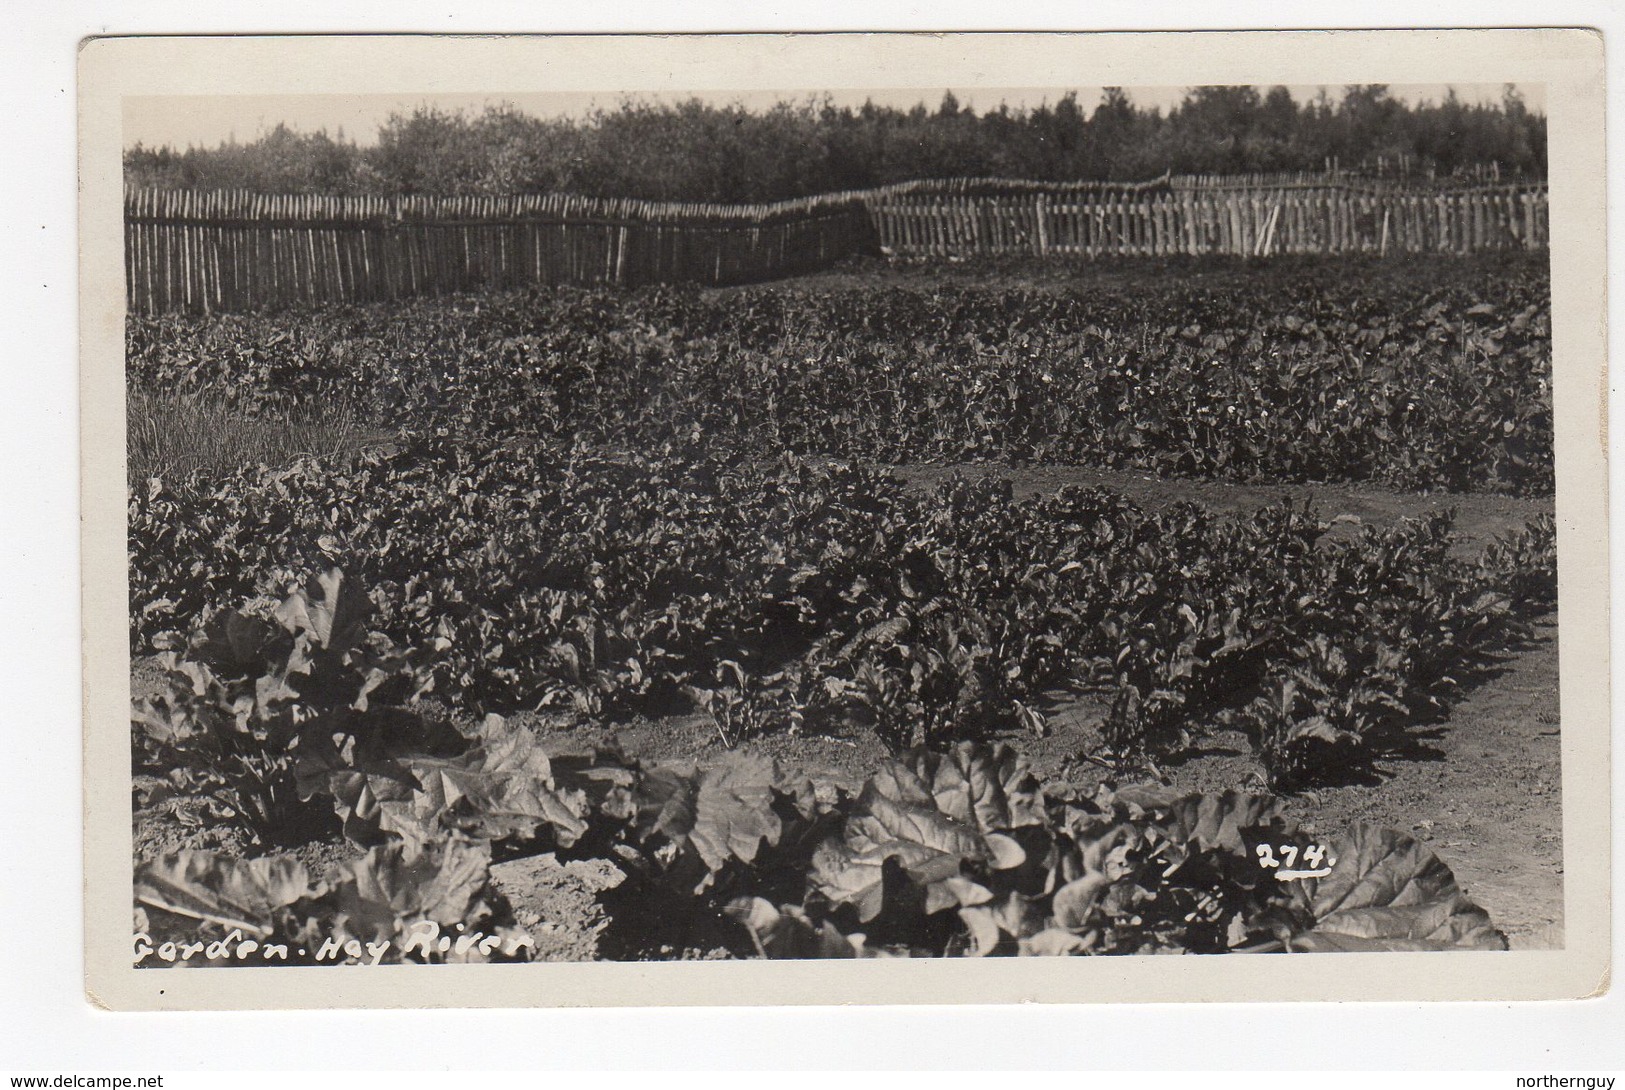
(1298,741)
(498,785)
(966,854)
(745,707)
(424,903)
(1522,564)
(577,515)
(252,693)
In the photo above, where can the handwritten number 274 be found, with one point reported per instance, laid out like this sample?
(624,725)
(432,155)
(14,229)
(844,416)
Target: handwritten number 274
(1313,856)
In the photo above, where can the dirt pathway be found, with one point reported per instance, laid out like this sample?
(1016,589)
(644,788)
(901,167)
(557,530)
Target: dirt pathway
(1479,517)
(1491,806)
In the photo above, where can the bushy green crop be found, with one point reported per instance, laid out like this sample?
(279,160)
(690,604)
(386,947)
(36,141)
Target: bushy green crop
(774,594)
(1431,377)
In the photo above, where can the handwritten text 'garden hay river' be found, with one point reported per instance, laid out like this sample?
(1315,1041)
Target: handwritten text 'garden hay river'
(424,939)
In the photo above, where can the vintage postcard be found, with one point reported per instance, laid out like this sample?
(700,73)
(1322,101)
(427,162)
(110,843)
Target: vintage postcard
(855,518)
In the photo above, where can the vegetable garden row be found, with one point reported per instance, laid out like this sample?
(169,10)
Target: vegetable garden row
(638,584)
(1430,377)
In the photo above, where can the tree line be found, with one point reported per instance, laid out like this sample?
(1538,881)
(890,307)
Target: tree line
(696,151)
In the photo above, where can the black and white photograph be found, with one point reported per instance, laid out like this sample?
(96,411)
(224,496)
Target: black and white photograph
(883,522)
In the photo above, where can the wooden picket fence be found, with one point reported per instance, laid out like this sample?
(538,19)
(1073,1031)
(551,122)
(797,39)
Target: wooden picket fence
(228,251)
(1246,221)
(234,251)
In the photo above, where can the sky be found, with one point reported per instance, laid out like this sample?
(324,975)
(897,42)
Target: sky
(205,121)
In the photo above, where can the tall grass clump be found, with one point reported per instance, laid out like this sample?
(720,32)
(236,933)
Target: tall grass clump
(173,435)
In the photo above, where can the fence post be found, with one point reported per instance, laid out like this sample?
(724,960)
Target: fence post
(1267,242)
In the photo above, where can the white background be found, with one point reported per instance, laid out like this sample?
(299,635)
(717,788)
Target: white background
(46,1025)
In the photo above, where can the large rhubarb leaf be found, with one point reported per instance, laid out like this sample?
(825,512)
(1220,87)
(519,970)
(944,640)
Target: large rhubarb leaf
(722,813)
(214,889)
(382,894)
(785,933)
(501,788)
(1217,821)
(896,824)
(990,926)
(331,609)
(1388,892)
(374,793)
(991,789)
